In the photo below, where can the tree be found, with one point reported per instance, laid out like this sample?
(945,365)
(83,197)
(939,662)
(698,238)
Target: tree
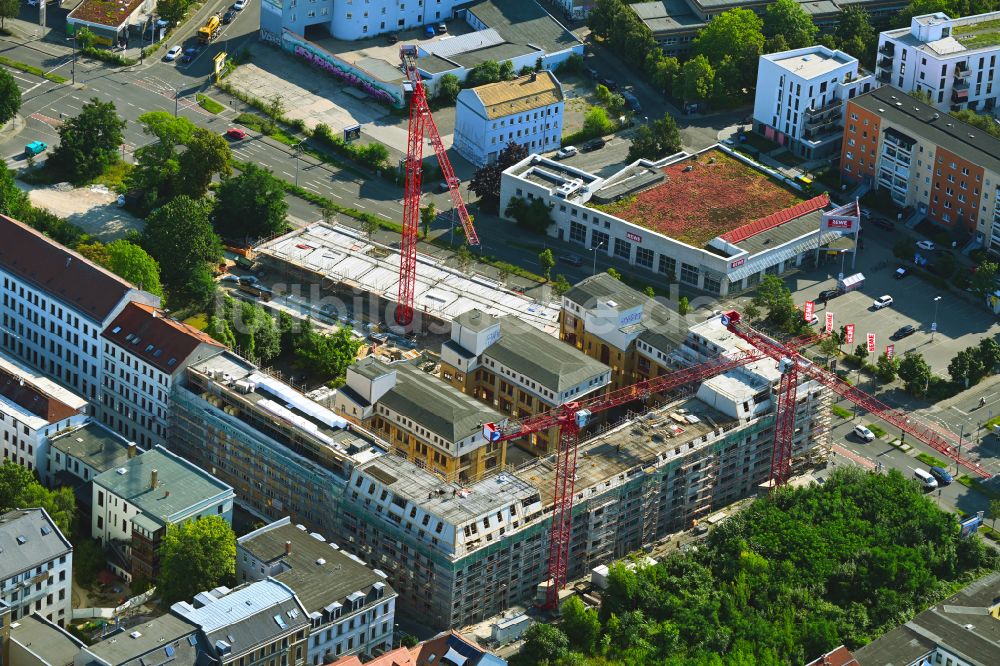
(886,368)
(134,264)
(253,331)
(828,345)
(19,488)
(661,70)
(9,9)
(195,556)
(615,274)
(736,33)
(369,225)
(507,70)
(251,204)
(656,141)
(547,262)
(89,142)
(326,355)
(207,154)
(988,353)
(979,121)
(13,200)
(776,297)
(966,367)
(172,10)
(374,155)
(535,216)
(649,292)
(14,481)
(427,216)
(596,122)
(921,7)
(544,643)
(855,35)
(180,237)
(581,625)
(915,373)
(448,88)
(787,19)
(683,306)
(696,79)
(485,72)
(984,279)
(464,258)
(994,511)
(10,94)
(751,311)
(486,180)
(561,285)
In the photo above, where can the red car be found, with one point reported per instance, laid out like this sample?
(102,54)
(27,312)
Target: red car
(236,133)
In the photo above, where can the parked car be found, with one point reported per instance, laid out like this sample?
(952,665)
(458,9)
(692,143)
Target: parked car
(925,245)
(865,212)
(609,84)
(882,302)
(240,5)
(229,277)
(229,16)
(429,31)
(236,133)
(828,294)
(442,28)
(443,185)
(883,223)
(592,73)
(189,54)
(594,144)
(392,38)
(248,279)
(942,475)
(925,478)
(903,332)
(864,433)
(571,259)
(901,273)
(814,320)
(172,54)
(632,102)
(566,151)
(35,148)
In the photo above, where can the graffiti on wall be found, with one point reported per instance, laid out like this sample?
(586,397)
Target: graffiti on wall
(269,37)
(341,70)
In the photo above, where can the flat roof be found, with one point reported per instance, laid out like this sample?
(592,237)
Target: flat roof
(719,194)
(820,61)
(166,634)
(667,15)
(316,585)
(914,116)
(525,22)
(94,445)
(343,255)
(180,484)
(453,502)
(45,640)
(105,12)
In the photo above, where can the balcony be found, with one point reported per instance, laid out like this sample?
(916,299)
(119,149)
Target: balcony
(961,70)
(884,77)
(885,63)
(960,96)
(888,49)
(961,85)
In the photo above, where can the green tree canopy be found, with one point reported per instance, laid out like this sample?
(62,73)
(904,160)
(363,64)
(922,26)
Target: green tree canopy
(736,33)
(447,90)
(773,295)
(89,142)
(534,215)
(19,488)
(980,121)
(596,122)
(10,94)
(13,200)
(696,79)
(486,180)
(180,236)
(855,34)
(325,356)
(485,72)
(547,262)
(657,140)
(9,9)
(787,19)
(206,154)
(134,264)
(915,373)
(195,556)
(251,204)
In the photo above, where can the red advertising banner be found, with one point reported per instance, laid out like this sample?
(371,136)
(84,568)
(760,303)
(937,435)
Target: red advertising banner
(871,343)
(829,322)
(849,334)
(807,310)
(890,351)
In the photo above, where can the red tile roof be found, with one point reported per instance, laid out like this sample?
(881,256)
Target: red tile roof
(776,219)
(398,657)
(155,338)
(30,398)
(839,657)
(54,268)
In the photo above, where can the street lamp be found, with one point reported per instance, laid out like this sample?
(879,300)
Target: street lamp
(73,66)
(594,250)
(297,148)
(934,323)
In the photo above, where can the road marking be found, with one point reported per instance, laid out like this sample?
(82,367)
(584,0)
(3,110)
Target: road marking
(359,204)
(851,455)
(288,174)
(334,194)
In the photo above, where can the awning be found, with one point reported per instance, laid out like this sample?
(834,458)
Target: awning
(773,258)
(453,657)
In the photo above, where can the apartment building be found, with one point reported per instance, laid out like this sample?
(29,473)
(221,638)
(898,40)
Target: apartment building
(79,455)
(351,608)
(166,639)
(952,61)
(32,410)
(517,369)
(947,170)
(253,625)
(145,353)
(285,454)
(36,567)
(628,331)
(527,111)
(801,96)
(133,505)
(423,418)
(34,641)
(5,611)
(54,305)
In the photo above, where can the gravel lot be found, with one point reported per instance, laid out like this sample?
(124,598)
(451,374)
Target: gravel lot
(94,209)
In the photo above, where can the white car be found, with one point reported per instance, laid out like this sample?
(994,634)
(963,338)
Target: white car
(565,151)
(882,302)
(240,5)
(925,245)
(864,433)
(173,53)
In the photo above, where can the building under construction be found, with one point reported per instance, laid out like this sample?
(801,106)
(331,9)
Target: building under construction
(458,554)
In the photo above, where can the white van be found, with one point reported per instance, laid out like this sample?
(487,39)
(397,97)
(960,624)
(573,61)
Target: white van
(925,478)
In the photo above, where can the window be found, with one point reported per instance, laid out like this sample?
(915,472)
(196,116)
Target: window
(689,274)
(623,249)
(644,257)
(577,232)
(667,266)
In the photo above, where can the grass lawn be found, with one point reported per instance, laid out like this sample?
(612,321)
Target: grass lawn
(113,177)
(209,104)
(759,142)
(978,35)
(876,430)
(930,460)
(199,321)
(718,195)
(840,412)
(30,69)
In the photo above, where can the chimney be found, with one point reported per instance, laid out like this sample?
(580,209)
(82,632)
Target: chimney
(153,480)
(288,548)
(534,76)
(131,450)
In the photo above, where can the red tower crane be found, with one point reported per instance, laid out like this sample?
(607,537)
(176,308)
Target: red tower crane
(571,418)
(421,124)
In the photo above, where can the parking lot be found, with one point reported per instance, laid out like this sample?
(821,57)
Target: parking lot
(961,321)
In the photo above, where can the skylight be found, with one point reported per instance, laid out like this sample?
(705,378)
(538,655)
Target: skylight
(116,329)
(280,622)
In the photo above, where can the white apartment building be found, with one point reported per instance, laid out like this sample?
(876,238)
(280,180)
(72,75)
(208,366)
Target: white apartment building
(350,606)
(77,455)
(32,410)
(357,19)
(145,353)
(36,566)
(952,60)
(527,111)
(132,505)
(801,95)
(54,303)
